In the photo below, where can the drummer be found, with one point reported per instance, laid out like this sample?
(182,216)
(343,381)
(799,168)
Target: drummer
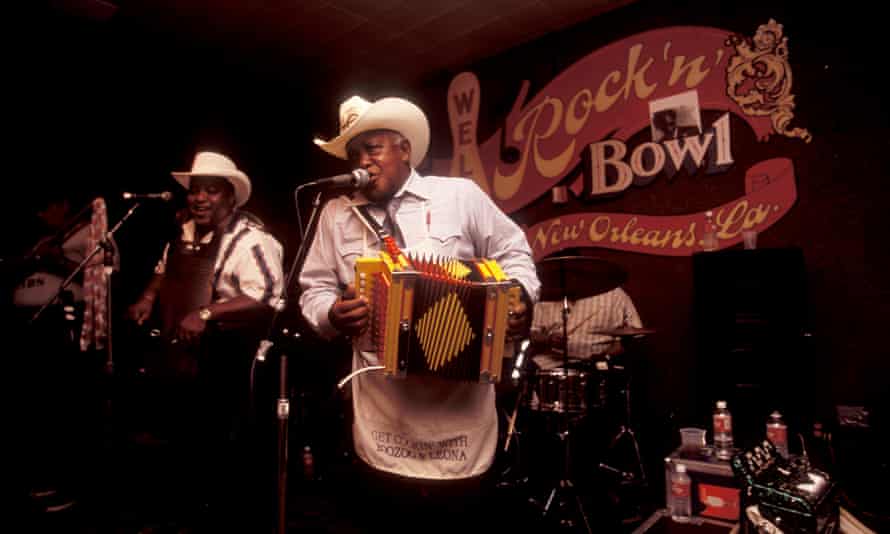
(593,309)
(46,245)
(59,239)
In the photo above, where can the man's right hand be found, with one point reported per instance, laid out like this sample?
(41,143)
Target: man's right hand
(140,311)
(350,314)
(556,341)
(545,341)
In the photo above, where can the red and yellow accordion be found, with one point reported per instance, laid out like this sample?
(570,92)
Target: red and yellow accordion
(442,317)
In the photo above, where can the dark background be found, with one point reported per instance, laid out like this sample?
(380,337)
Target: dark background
(104,107)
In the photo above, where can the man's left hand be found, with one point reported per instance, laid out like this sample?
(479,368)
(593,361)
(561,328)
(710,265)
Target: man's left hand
(518,322)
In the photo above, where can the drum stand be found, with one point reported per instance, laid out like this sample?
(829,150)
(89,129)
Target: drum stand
(625,431)
(513,475)
(563,496)
(637,476)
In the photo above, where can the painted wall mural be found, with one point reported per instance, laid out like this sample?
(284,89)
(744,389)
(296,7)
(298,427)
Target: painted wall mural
(632,113)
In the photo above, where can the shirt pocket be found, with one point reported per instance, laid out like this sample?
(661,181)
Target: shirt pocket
(352,239)
(446,238)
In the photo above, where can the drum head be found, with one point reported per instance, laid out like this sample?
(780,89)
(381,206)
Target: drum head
(39,288)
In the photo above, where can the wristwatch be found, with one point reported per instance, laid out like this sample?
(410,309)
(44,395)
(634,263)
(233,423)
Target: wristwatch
(204,313)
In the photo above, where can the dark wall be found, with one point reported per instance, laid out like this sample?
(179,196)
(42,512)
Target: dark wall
(836,57)
(98,108)
(106,107)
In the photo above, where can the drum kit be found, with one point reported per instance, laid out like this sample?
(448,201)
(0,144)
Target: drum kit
(564,396)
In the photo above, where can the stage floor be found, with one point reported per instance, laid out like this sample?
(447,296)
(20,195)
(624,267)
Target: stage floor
(127,489)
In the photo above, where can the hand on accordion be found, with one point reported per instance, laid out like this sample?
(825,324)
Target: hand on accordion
(518,320)
(350,314)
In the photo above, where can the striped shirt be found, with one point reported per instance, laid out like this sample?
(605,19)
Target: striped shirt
(612,309)
(249,262)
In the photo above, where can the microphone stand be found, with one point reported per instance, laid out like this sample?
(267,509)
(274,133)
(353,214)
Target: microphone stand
(107,245)
(287,340)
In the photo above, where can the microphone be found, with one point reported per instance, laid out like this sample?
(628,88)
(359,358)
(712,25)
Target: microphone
(356,179)
(163,195)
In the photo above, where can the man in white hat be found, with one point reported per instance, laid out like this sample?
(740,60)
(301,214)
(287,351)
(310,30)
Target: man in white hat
(215,286)
(247,264)
(425,428)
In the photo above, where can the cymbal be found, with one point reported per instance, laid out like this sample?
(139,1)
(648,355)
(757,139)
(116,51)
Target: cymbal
(624,331)
(577,277)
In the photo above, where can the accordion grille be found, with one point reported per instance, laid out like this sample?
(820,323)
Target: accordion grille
(444,331)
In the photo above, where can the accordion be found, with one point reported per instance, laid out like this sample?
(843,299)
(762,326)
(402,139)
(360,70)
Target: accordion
(436,316)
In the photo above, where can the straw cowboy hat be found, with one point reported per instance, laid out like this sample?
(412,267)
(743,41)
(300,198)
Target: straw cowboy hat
(357,116)
(213,164)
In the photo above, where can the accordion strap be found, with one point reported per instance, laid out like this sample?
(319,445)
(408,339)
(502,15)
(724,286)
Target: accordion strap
(370,222)
(385,237)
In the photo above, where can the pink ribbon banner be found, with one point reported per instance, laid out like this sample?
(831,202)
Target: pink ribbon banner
(770,192)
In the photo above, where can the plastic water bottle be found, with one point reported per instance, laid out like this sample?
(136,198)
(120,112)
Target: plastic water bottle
(681,494)
(723,431)
(777,433)
(308,464)
(709,234)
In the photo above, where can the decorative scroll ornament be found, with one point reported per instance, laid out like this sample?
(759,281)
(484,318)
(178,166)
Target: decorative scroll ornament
(759,78)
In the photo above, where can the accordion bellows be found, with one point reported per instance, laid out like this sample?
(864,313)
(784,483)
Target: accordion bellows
(436,316)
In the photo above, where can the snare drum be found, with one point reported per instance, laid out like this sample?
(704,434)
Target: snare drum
(560,390)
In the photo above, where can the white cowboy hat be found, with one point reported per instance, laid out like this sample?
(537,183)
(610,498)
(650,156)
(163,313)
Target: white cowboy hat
(357,116)
(213,164)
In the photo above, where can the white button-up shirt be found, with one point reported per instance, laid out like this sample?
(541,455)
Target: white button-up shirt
(419,426)
(450,217)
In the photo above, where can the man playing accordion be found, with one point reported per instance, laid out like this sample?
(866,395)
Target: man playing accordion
(418,431)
